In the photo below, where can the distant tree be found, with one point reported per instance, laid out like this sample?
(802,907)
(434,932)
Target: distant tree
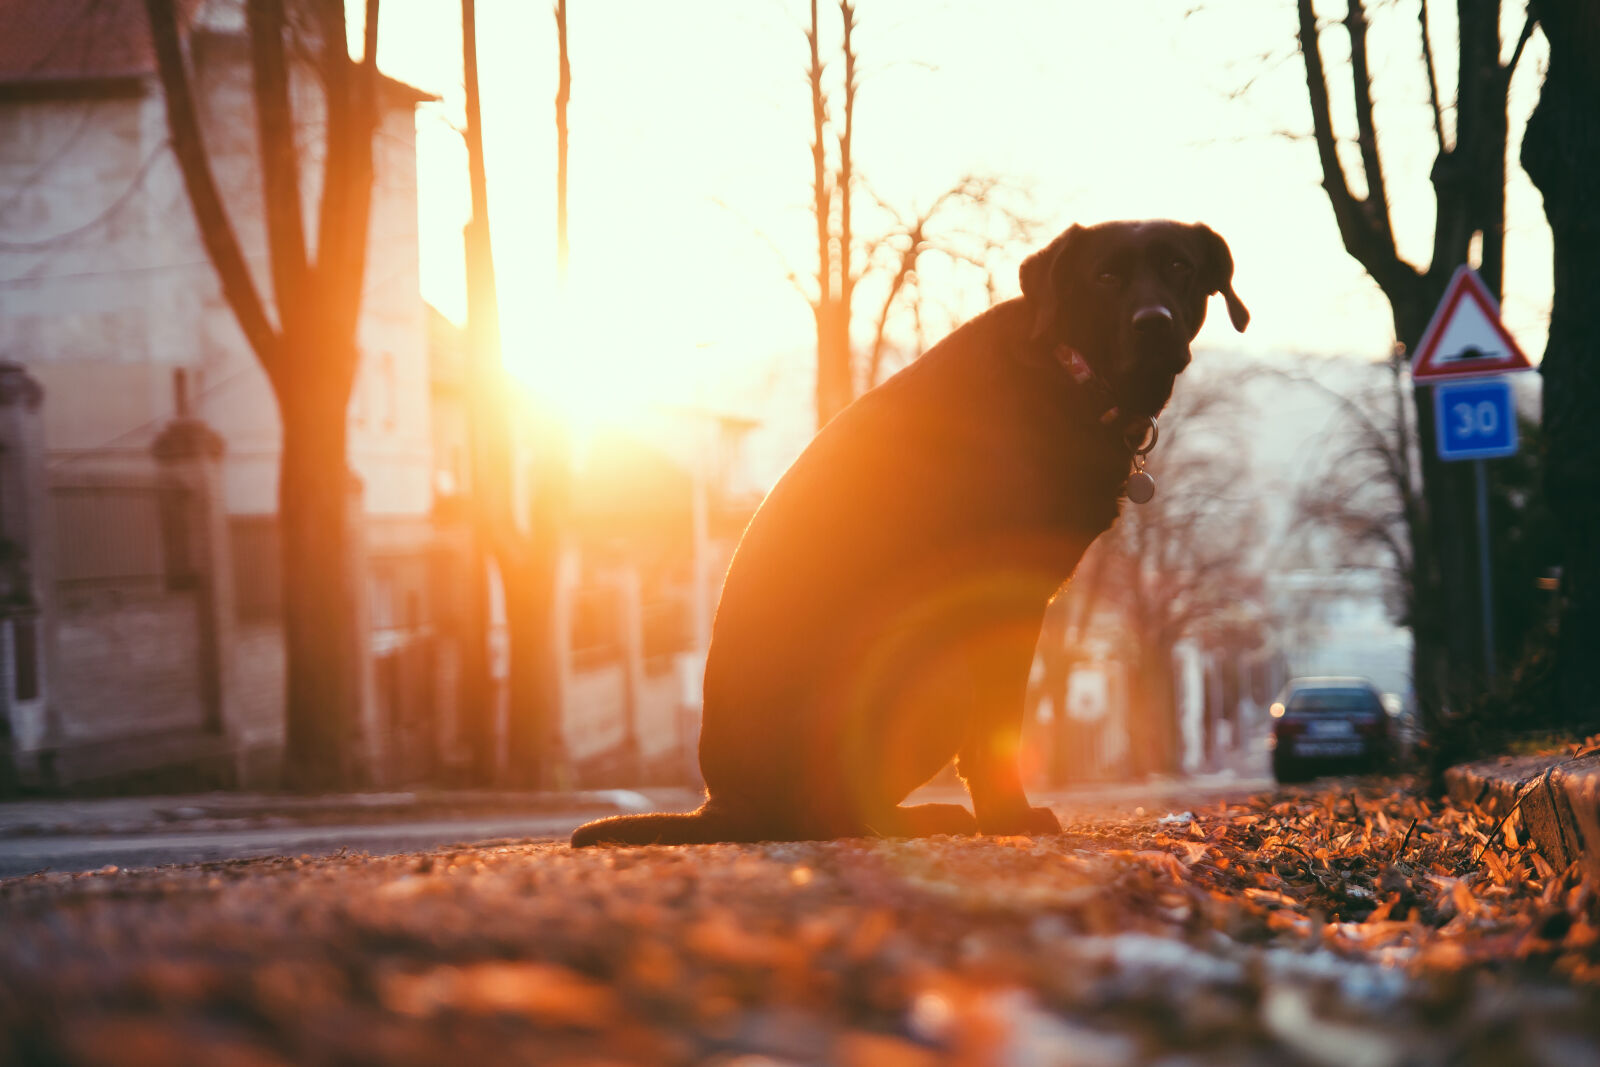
(1191,554)
(1357,506)
(831,192)
(306,340)
(844,257)
(1062,639)
(1360,504)
(967,226)
(476,692)
(1561,153)
(1468,179)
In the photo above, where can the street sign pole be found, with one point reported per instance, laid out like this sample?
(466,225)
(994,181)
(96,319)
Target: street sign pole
(1476,419)
(1481,479)
(1464,355)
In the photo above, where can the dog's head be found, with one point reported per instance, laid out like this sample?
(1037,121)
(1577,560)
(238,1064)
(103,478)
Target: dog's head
(1129,296)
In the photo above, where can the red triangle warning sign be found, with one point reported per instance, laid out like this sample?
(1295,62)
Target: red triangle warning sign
(1465,338)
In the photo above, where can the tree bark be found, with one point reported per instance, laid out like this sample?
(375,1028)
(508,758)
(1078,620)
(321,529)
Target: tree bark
(321,645)
(526,561)
(478,706)
(1469,185)
(309,355)
(1561,153)
(1153,729)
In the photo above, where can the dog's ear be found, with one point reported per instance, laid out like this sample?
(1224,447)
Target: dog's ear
(1039,289)
(1217,274)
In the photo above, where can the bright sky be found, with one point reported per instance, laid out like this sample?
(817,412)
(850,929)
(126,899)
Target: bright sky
(690,165)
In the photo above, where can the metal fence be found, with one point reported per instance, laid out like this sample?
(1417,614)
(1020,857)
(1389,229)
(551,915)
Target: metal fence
(124,535)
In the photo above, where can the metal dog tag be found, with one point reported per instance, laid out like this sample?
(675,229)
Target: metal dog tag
(1141,487)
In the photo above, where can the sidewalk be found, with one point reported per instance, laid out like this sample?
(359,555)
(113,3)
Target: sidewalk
(225,812)
(210,812)
(1558,798)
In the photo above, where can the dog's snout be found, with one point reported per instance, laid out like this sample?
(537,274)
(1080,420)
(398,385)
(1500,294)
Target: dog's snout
(1152,319)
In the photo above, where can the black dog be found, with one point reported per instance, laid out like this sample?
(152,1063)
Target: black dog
(881,612)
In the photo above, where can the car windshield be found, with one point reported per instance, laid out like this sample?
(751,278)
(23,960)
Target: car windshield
(1334,700)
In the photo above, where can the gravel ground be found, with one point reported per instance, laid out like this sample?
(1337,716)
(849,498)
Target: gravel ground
(1332,925)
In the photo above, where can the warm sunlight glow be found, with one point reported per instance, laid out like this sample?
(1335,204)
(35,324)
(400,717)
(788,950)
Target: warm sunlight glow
(596,367)
(690,168)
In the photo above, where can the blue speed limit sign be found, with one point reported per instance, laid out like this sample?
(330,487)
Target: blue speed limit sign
(1475,419)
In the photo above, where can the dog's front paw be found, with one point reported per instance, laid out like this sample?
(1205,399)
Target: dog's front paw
(1029,822)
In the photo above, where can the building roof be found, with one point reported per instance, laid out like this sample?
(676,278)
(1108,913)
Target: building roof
(66,41)
(76,40)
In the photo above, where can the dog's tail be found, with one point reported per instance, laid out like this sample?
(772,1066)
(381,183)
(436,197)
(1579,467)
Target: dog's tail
(705,826)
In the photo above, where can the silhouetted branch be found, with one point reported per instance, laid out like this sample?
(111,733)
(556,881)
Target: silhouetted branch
(1433,77)
(1522,43)
(1365,237)
(1377,199)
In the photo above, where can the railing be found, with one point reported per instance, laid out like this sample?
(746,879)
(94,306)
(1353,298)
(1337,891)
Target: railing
(124,535)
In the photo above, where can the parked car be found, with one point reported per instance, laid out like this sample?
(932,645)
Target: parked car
(1328,725)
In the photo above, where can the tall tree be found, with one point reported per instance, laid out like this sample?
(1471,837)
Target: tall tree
(1468,179)
(1190,554)
(831,201)
(525,555)
(844,258)
(478,704)
(1561,153)
(305,342)
(1358,503)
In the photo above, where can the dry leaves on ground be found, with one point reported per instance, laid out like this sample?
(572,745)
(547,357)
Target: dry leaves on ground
(1356,923)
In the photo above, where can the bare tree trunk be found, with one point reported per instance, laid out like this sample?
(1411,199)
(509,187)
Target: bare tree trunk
(526,563)
(1561,153)
(309,355)
(477,696)
(321,644)
(833,363)
(563,97)
(1469,184)
(1066,625)
(1153,733)
(843,373)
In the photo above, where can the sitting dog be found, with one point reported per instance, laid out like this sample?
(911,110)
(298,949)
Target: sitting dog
(881,611)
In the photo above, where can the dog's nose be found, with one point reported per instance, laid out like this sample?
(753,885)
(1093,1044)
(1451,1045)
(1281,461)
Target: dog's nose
(1152,319)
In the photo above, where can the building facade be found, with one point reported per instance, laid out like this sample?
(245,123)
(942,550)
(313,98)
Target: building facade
(154,562)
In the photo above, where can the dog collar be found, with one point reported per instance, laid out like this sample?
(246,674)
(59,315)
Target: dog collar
(1078,370)
(1140,436)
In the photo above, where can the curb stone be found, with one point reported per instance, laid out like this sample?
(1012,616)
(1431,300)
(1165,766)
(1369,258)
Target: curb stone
(1560,801)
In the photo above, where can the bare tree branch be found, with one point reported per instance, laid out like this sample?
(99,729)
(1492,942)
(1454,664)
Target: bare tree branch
(822,198)
(351,94)
(1433,78)
(1377,199)
(1370,242)
(847,278)
(1522,43)
(563,97)
(216,229)
(280,159)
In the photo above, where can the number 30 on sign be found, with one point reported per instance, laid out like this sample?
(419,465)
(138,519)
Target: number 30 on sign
(1475,419)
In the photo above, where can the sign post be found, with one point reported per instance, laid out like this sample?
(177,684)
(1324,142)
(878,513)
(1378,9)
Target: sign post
(1463,355)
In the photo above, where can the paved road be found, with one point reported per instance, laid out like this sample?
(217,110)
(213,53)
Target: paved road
(91,851)
(1207,939)
(88,852)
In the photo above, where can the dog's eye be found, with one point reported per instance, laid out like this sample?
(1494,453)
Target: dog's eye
(1180,266)
(1108,277)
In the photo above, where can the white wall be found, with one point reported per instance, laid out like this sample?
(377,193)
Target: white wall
(103,319)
